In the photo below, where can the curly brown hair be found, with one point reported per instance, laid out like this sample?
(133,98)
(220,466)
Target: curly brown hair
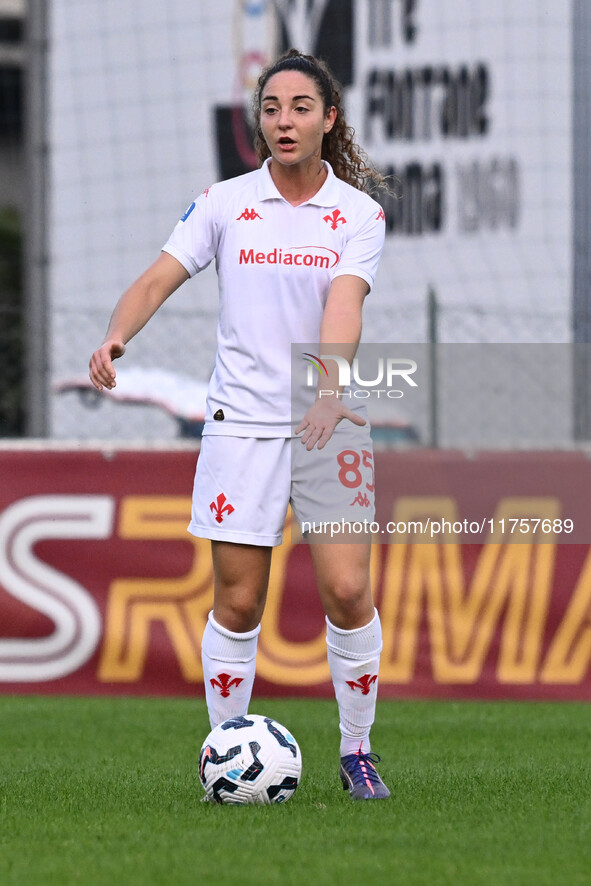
(349,162)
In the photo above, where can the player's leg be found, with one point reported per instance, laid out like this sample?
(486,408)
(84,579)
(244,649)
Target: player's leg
(241,578)
(354,642)
(342,574)
(240,498)
(354,636)
(229,646)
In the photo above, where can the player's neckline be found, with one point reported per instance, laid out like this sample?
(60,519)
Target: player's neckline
(308,195)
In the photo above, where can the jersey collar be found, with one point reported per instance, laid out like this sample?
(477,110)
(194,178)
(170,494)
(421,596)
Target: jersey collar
(328,195)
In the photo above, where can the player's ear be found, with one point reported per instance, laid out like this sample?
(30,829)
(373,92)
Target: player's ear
(329,119)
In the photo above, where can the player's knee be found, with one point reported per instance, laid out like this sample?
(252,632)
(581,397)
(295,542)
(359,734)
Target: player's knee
(349,602)
(240,612)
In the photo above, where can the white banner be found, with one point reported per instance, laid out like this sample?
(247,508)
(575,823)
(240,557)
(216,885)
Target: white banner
(467,103)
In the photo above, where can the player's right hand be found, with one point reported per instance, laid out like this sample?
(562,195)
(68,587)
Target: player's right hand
(102,374)
(319,422)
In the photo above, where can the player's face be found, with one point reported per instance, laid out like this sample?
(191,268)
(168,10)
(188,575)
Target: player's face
(293,118)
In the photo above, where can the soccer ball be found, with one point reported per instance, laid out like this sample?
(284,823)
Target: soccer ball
(250,759)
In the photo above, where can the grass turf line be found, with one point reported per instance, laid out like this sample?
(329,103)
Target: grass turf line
(105,791)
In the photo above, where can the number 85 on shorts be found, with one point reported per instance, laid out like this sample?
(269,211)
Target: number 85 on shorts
(336,483)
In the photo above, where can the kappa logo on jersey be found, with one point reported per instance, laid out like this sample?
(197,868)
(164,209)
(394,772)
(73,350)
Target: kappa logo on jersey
(249,215)
(225,683)
(220,507)
(364,683)
(335,219)
(380,216)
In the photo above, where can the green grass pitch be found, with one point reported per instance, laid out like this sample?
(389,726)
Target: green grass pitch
(105,791)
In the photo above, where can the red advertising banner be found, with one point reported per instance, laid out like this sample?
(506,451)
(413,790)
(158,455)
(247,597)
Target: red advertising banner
(102,590)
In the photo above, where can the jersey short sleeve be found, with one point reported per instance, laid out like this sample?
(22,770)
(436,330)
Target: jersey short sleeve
(361,253)
(194,240)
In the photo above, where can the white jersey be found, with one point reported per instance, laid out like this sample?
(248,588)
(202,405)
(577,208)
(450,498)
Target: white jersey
(275,263)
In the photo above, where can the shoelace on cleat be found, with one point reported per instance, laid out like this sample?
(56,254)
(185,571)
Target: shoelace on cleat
(363,771)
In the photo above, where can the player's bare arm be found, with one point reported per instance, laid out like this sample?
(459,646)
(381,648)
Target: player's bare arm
(341,326)
(132,312)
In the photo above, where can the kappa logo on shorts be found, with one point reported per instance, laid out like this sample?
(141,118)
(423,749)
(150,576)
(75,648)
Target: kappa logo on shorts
(361,499)
(364,683)
(335,219)
(249,215)
(220,506)
(225,683)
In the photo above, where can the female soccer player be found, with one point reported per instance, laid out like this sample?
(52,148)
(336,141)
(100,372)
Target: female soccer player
(296,244)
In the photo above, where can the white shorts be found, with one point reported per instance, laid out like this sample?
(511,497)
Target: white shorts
(244,485)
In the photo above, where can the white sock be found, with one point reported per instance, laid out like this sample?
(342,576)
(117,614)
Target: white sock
(354,660)
(229,662)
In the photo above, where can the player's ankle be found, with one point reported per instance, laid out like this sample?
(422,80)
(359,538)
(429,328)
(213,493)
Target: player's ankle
(355,746)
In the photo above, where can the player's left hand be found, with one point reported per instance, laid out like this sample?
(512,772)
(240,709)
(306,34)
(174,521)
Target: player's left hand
(322,418)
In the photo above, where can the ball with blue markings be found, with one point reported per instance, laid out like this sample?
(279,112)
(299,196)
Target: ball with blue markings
(250,760)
